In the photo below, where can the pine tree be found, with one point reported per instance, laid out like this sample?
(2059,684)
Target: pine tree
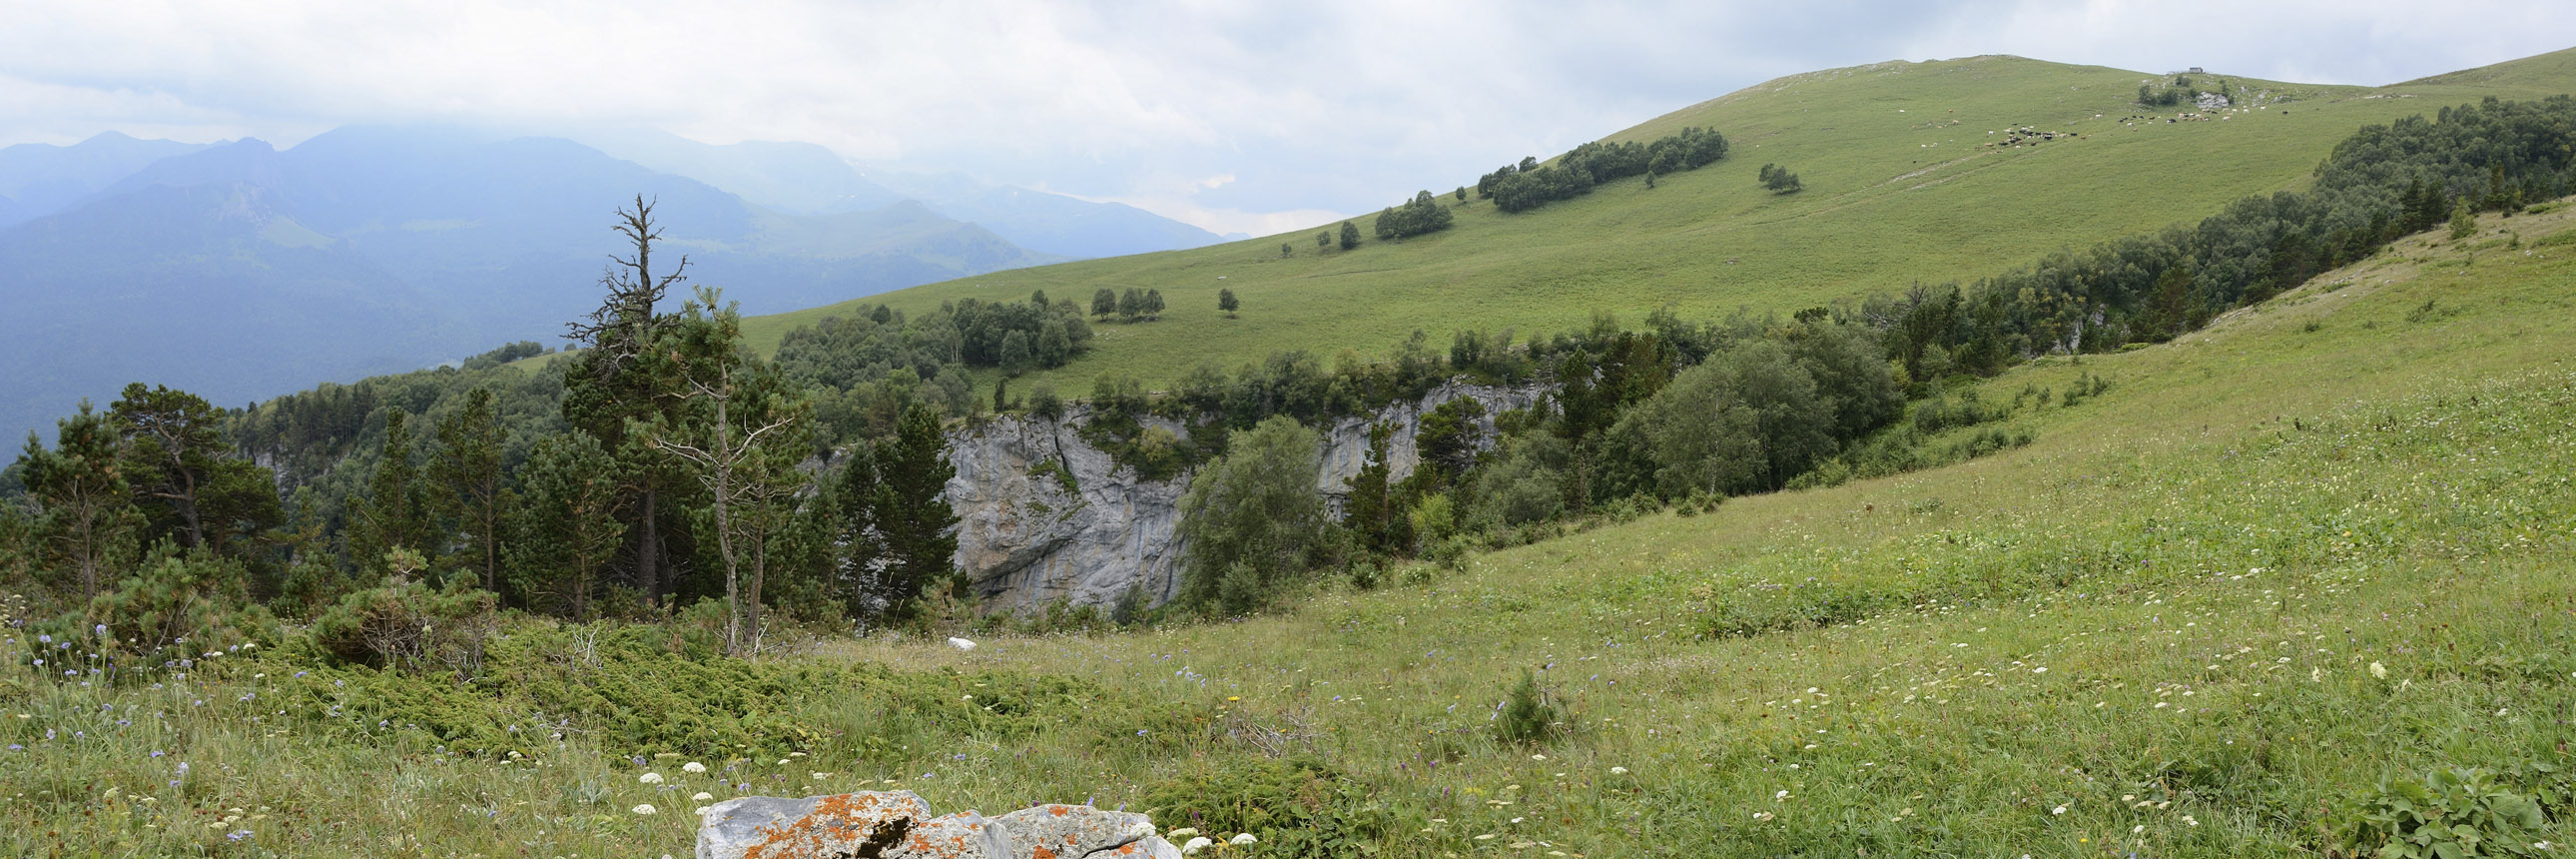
(566,528)
(740,434)
(395,512)
(615,382)
(912,519)
(467,470)
(171,441)
(87,507)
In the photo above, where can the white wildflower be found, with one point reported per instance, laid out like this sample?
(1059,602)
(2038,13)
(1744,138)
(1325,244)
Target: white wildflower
(1242,838)
(693,767)
(1195,845)
(1183,832)
(701,796)
(646,808)
(1618,770)
(650,778)
(2378,671)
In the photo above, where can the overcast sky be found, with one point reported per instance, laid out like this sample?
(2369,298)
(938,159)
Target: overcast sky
(1236,116)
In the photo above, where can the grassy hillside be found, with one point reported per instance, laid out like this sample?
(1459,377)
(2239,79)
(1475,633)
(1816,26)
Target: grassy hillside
(1902,185)
(2322,543)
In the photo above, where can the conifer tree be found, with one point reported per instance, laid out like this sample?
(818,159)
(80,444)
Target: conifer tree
(740,432)
(911,519)
(79,486)
(171,441)
(395,512)
(567,529)
(467,470)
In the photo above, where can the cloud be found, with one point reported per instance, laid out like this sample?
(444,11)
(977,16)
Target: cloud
(1306,109)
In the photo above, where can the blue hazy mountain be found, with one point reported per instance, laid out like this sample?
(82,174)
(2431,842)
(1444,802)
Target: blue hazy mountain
(40,179)
(1049,223)
(241,271)
(795,178)
(802,178)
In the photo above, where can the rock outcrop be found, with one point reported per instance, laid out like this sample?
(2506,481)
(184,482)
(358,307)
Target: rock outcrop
(898,825)
(1044,517)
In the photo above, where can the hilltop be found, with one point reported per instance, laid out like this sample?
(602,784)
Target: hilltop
(1905,183)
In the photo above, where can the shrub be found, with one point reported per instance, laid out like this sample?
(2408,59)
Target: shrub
(2453,813)
(409,625)
(182,603)
(1296,807)
(1530,715)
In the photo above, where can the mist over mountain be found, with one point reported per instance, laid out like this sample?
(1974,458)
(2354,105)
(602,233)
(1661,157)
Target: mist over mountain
(39,179)
(242,270)
(805,179)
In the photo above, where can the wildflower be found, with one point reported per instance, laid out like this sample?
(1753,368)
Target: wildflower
(1242,838)
(2058,810)
(646,808)
(2188,821)
(650,778)
(2137,829)
(2378,671)
(693,767)
(1618,770)
(818,776)
(1760,816)
(1538,757)
(1780,796)
(701,796)
(1194,846)
(961,644)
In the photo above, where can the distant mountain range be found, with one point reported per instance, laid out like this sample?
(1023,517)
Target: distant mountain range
(238,270)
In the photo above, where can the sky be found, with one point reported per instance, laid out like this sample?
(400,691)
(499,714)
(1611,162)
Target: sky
(1235,116)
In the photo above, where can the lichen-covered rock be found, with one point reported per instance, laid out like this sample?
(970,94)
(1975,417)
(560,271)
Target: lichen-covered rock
(1070,831)
(1148,847)
(868,823)
(964,835)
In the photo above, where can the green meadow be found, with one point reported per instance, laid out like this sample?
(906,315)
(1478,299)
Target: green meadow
(2284,575)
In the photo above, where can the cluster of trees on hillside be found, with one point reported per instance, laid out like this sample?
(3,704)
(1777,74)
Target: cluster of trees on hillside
(661,467)
(1130,306)
(1422,215)
(1529,184)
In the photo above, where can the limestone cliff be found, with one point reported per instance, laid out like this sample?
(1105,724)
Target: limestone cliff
(1044,517)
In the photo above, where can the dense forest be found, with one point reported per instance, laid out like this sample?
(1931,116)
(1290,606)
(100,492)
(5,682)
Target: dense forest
(664,469)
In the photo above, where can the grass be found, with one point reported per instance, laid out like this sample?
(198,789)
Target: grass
(2160,629)
(1901,188)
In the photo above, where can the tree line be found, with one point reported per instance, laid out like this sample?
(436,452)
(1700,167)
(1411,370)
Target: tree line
(1529,184)
(663,467)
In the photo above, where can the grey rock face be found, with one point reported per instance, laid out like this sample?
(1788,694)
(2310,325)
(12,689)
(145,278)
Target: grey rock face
(1026,540)
(964,835)
(852,824)
(1064,831)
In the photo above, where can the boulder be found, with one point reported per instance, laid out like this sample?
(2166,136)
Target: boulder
(1070,831)
(964,835)
(868,823)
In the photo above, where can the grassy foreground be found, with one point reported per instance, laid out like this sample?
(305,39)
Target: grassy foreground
(2320,545)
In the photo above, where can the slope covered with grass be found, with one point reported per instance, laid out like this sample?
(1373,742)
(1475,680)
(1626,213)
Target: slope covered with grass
(2320,545)
(1907,178)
